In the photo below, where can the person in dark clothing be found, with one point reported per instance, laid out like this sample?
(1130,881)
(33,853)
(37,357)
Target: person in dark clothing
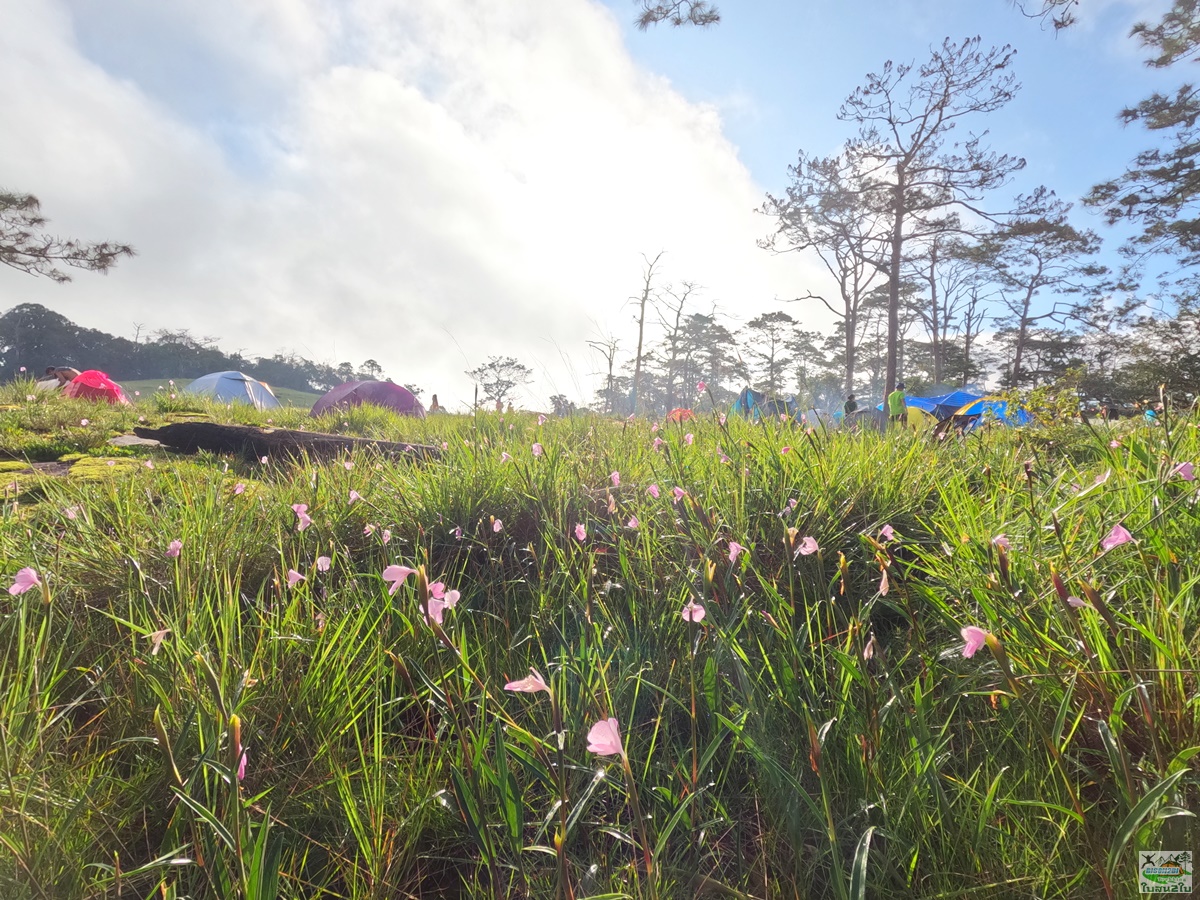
(850,406)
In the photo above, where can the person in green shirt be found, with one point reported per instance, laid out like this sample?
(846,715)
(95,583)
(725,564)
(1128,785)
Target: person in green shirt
(897,405)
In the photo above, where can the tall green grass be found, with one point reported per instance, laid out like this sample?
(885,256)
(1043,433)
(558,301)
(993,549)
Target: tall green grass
(818,733)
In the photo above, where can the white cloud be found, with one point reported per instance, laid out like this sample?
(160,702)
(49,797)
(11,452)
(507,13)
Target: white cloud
(374,177)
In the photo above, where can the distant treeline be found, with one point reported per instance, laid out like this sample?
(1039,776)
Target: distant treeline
(35,337)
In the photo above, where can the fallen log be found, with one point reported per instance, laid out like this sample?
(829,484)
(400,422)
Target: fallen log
(248,440)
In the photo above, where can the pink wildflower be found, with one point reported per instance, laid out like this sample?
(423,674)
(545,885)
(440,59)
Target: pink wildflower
(497,526)
(887,533)
(808,546)
(302,518)
(786,450)
(323,563)
(632,523)
(679,493)
(355,496)
(174,548)
(530,684)
(975,637)
(397,576)
(604,738)
(653,491)
(658,442)
(580,533)
(505,457)
(693,612)
(700,387)
(735,550)
(26,578)
(689,438)
(387,535)
(1115,538)
(541,420)
(239,488)
(615,478)
(1185,471)
(294,578)
(537,450)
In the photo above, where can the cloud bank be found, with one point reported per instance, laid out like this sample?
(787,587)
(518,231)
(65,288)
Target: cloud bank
(422,184)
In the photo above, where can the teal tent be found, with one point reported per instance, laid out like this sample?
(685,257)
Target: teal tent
(234,387)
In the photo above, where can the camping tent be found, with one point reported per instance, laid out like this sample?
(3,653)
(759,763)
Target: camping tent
(94,385)
(940,407)
(234,387)
(752,404)
(376,393)
(993,409)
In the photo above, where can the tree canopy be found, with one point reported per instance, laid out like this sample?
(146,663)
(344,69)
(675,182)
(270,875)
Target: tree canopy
(27,247)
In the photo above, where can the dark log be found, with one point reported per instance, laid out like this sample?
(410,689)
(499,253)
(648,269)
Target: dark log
(271,442)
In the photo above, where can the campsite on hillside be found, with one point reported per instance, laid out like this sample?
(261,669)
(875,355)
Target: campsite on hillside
(599,449)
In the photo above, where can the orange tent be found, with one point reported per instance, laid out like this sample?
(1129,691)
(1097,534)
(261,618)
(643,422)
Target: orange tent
(94,385)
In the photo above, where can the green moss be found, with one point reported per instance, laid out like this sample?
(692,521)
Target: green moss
(98,469)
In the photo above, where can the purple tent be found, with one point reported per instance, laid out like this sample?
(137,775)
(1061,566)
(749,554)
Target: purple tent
(378,393)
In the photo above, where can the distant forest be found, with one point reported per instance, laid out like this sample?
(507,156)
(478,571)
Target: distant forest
(35,337)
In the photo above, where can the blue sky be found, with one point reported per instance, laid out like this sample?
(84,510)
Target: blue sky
(780,70)
(428,184)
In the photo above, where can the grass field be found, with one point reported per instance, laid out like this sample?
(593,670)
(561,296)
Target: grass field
(597,659)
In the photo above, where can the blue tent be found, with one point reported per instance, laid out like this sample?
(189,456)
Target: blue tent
(995,409)
(234,387)
(752,404)
(943,405)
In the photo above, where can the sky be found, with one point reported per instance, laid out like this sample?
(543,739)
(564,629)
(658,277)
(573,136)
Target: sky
(428,184)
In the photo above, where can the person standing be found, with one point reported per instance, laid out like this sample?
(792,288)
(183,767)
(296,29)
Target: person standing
(897,404)
(850,406)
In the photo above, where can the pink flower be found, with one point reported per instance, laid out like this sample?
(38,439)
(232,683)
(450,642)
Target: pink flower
(445,445)
(505,457)
(302,517)
(723,457)
(580,533)
(239,488)
(71,512)
(693,612)
(354,497)
(348,464)
(657,442)
(497,526)
(397,575)
(531,684)
(654,428)
(294,578)
(1115,538)
(173,549)
(721,419)
(1184,470)
(387,535)
(604,738)
(887,533)
(1001,540)
(679,493)
(786,450)
(700,387)
(615,478)
(440,600)
(22,368)
(883,583)
(632,523)
(1075,602)
(263,460)
(735,550)
(689,438)
(83,422)
(808,546)
(537,450)
(792,504)
(241,772)
(653,491)
(1114,443)
(149,464)
(156,639)
(975,637)
(458,532)
(26,578)
(541,420)
(323,563)
(370,529)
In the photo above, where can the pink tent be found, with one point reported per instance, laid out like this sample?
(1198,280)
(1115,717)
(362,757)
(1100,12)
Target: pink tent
(94,385)
(377,393)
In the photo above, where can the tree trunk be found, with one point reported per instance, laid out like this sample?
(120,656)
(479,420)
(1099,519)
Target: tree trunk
(893,327)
